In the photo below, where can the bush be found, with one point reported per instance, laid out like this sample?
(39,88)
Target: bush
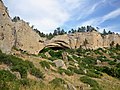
(45,50)
(6,80)
(70,58)
(52,58)
(56,54)
(42,55)
(21,69)
(67,72)
(36,72)
(45,64)
(6,76)
(57,82)
(111,62)
(91,82)
(94,74)
(25,82)
(75,70)
(89,60)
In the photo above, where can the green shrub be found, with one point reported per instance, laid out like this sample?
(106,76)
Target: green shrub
(56,54)
(118,65)
(98,52)
(75,70)
(42,55)
(52,58)
(45,64)
(67,72)
(36,72)
(45,50)
(25,82)
(91,82)
(89,60)
(21,69)
(70,58)
(7,80)
(57,82)
(111,62)
(6,76)
(94,74)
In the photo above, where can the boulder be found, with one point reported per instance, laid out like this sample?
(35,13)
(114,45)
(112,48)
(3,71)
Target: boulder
(60,63)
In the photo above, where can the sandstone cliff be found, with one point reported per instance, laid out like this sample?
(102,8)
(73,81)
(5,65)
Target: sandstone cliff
(6,30)
(91,40)
(27,39)
(17,34)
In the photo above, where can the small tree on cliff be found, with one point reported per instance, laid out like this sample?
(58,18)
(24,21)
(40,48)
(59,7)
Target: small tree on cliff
(85,43)
(112,44)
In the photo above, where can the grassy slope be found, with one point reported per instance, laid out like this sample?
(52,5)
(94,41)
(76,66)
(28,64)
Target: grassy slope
(106,82)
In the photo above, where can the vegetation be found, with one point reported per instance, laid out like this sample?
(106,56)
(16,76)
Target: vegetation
(91,64)
(17,64)
(57,82)
(45,64)
(60,31)
(91,82)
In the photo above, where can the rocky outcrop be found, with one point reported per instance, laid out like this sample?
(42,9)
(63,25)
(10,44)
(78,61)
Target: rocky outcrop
(17,34)
(60,63)
(27,39)
(6,30)
(91,40)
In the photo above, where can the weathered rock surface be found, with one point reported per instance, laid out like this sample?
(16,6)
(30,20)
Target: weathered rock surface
(27,39)
(17,34)
(6,30)
(91,40)
(60,63)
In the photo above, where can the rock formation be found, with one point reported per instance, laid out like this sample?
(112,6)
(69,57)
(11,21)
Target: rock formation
(91,40)
(17,34)
(20,35)
(27,39)
(6,30)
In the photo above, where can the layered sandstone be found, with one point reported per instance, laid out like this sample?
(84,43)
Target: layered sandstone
(90,40)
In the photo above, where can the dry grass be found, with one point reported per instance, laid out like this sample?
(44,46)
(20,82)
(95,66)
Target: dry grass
(109,83)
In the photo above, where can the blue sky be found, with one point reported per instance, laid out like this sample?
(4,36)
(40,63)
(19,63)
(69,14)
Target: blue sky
(47,15)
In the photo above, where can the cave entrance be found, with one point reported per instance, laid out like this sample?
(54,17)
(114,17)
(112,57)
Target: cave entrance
(53,48)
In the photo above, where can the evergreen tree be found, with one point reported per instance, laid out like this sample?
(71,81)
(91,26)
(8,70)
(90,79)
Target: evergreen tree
(104,32)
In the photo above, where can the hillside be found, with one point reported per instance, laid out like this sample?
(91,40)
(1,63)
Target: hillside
(68,69)
(69,61)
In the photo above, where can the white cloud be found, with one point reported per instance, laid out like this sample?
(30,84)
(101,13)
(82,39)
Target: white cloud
(111,28)
(89,7)
(97,21)
(112,14)
(46,15)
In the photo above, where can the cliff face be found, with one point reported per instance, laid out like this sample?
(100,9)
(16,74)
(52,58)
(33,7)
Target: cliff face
(91,40)
(6,30)
(27,39)
(17,34)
